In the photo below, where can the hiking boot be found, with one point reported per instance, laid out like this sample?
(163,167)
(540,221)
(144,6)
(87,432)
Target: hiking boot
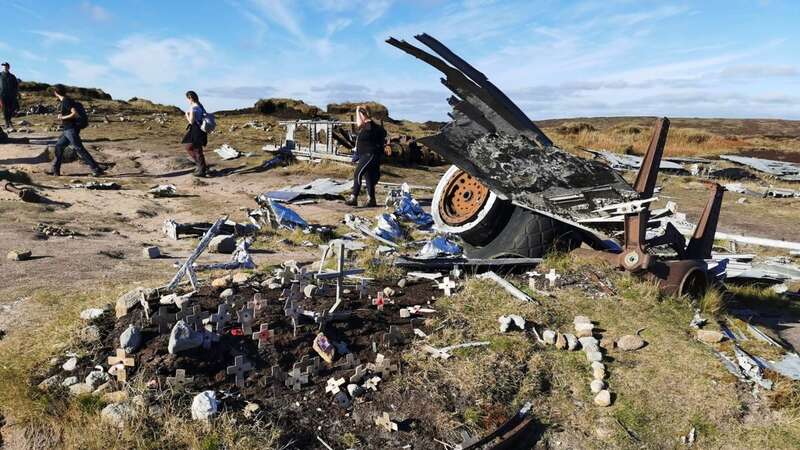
(351,201)
(53,173)
(371,203)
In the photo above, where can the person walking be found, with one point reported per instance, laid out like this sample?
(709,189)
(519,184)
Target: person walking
(195,138)
(368,154)
(73,118)
(9,91)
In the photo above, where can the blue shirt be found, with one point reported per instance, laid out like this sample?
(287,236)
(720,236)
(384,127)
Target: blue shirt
(198,114)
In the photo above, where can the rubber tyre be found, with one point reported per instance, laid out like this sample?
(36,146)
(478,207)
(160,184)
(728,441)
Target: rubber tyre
(526,235)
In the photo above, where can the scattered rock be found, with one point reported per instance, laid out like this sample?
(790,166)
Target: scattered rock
(92,313)
(204,405)
(80,389)
(607,343)
(584,329)
(596,386)
(183,338)
(549,337)
(49,383)
(402,283)
(95,377)
(603,398)
(630,342)
(128,300)
(241,277)
(572,341)
(389,292)
(69,381)
(223,243)
(561,341)
(130,339)
(151,252)
(89,334)
(227,293)
(589,344)
(710,336)
(594,356)
(117,414)
(70,364)
(222,282)
(19,255)
(250,409)
(598,370)
(506,321)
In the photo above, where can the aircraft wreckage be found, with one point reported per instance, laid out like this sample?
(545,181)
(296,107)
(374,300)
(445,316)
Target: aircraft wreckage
(512,192)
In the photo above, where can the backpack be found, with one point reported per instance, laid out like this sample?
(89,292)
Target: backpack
(82,121)
(208,123)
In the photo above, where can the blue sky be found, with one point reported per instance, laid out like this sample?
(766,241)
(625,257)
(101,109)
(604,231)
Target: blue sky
(734,58)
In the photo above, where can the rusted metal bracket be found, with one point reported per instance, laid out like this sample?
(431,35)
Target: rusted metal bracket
(24,194)
(688,273)
(514,434)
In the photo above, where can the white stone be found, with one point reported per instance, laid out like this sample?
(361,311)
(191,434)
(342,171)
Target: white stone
(581,319)
(589,343)
(549,337)
(96,377)
(603,398)
(584,329)
(183,338)
(117,414)
(572,342)
(49,383)
(227,293)
(204,405)
(310,290)
(389,292)
(596,386)
(594,356)
(130,339)
(630,342)
(92,313)
(70,364)
(69,381)
(80,389)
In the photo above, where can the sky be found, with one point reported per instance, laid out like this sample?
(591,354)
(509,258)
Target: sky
(732,58)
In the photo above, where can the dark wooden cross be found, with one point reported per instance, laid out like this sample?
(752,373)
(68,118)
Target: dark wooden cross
(264,336)
(221,317)
(164,319)
(179,381)
(238,369)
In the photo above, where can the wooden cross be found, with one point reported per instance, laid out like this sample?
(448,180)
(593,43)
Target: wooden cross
(238,369)
(552,276)
(349,362)
(361,370)
(195,319)
(221,317)
(179,381)
(145,306)
(334,385)
(257,303)
(372,383)
(277,374)
(293,311)
(362,289)
(245,316)
(164,319)
(379,301)
(296,378)
(384,422)
(124,361)
(264,335)
(383,366)
(448,286)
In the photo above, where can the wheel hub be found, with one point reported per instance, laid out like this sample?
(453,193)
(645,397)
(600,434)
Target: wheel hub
(464,198)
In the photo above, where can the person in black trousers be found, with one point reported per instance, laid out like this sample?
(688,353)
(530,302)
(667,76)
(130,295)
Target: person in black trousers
(69,117)
(195,138)
(367,156)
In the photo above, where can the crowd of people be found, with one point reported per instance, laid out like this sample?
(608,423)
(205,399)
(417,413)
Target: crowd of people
(367,152)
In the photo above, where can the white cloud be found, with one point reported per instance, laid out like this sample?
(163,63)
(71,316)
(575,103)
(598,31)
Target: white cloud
(155,61)
(83,72)
(55,37)
(95,12)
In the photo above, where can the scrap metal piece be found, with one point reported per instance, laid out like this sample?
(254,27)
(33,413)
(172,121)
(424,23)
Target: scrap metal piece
(510,288)
(492,140)
(186,267)
(508,434)
(784,170)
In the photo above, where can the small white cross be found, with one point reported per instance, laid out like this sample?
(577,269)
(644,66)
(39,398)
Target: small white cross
(334,385)
(552,276)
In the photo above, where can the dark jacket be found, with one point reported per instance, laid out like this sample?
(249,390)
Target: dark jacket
(9,85)
(194,135)
(371,139)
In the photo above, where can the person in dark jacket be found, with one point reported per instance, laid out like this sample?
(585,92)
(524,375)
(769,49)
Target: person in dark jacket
(195,138)
(72,134)
(368,153)
(9,91)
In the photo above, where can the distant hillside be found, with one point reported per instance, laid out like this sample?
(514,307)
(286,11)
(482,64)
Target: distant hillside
(34,93)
